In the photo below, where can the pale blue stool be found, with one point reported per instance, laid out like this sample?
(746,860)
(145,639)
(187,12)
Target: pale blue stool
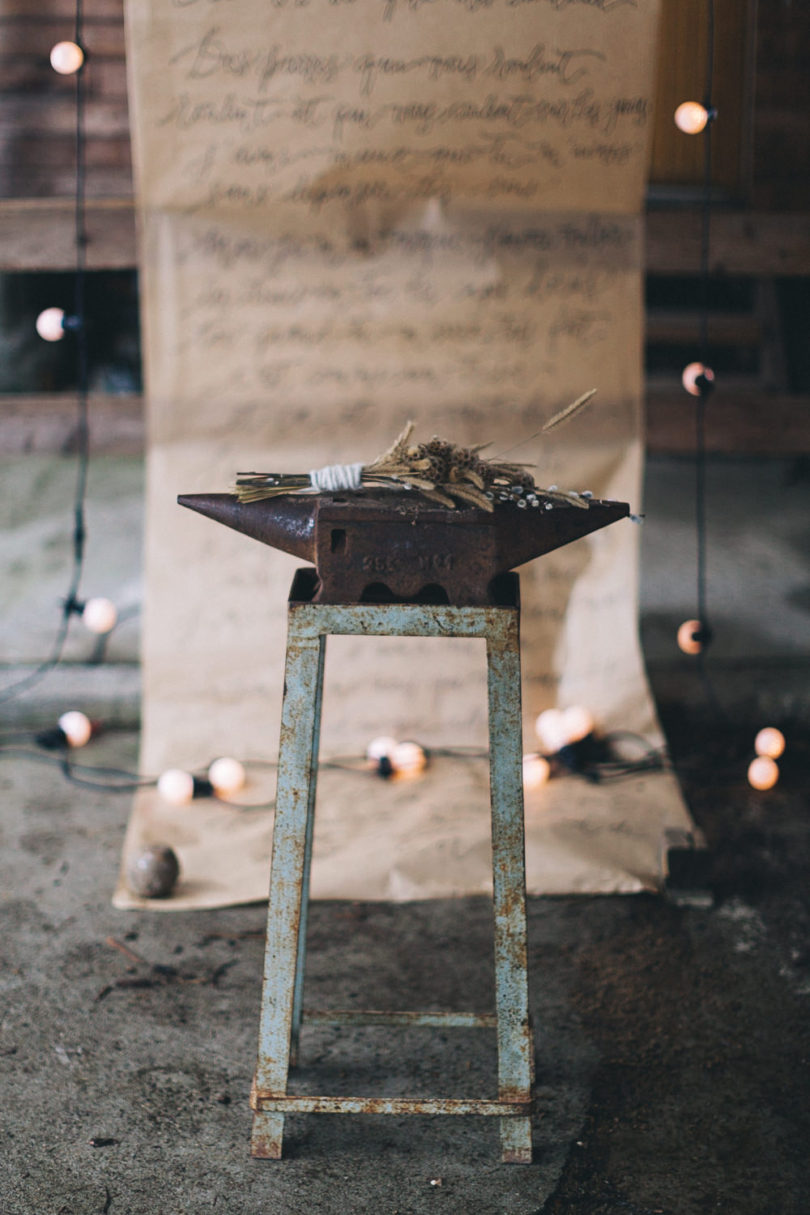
(282,1012)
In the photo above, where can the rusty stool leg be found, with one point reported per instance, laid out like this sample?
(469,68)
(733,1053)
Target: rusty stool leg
(280,1017)
(515,1042)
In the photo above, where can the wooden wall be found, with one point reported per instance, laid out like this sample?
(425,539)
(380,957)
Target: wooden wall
(762,90)
(781,127)
(762,161)
(38,106)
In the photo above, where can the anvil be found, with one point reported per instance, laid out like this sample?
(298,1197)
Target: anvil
(384,546)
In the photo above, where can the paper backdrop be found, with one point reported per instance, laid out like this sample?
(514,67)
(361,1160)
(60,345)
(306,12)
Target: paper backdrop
(356,213)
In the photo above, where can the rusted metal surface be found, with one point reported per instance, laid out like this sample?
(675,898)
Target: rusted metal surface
(352,1016)
(309,624)
(515,1040)
(285,947)
(286,1103)
(384,546)
(408,619)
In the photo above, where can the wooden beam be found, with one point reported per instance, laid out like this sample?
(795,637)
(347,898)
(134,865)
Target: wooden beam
(47,425)
(681,328)
(39,234)
(742,421)
(739,421)
(740,242)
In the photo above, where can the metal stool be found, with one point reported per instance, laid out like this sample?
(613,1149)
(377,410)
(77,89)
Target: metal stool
(282,1013)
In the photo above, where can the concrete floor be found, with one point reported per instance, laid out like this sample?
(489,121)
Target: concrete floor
(672,1041)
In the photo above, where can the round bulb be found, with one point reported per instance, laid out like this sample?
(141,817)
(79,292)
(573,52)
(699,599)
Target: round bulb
(51,324)
(536,771)
(763,772)
(577,723)
(66,58)
(688,637)
(691,117)
(226,775)
(769,742)
(550,730)
(176,786)
(692,373)
(380,748)
(408,758)
(99,615)
(76,727)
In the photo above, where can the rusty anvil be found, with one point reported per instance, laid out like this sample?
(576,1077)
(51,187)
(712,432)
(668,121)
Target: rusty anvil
(390,546)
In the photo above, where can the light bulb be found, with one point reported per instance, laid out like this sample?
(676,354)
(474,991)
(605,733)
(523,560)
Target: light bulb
(226,775)
(76,727)
(550,730)
(577,723)
(689,637)
(176,786)
(99,615)
(692,374)
(51,324)
(408,758)
(380,748)
(763,772)
(66,58)
(536,771)
(769,742)
(691,117)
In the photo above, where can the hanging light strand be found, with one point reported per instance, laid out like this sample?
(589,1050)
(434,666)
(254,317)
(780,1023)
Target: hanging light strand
(705,380)
(77,326)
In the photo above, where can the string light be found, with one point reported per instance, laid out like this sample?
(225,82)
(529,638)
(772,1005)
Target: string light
(536,771)
(380,748)
(558,728)
(66,58)
(52,324)
(392,758)
(692,637)
(549,729)
(697,379)
(73,729)
(594,758)
(577,723)
(769,742)
(408,759)
(691,117)
(77,727)
(379,752)
(99,615)
(763,772)
(176,786)
(226,775)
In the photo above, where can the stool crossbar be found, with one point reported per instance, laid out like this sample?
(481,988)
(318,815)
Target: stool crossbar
(282,1013)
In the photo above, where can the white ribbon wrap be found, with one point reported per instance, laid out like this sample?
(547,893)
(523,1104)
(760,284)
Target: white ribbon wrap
(337,476)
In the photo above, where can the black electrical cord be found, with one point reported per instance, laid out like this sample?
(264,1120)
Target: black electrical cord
(593,758)
(705,382)
(78,328)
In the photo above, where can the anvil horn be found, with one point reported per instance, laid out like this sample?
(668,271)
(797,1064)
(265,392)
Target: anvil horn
(289,527)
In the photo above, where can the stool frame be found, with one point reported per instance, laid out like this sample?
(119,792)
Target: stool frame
(282,1013)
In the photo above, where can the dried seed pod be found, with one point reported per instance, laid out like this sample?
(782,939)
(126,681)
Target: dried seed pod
(152,873)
